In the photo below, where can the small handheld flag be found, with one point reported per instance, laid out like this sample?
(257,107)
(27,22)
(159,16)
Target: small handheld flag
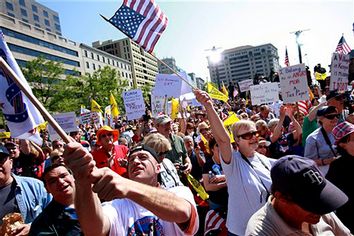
(95,107)
(114,106)
(142,21)
(286,62)
(342,46)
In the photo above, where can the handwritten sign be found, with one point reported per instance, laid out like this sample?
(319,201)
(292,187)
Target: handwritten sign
(134,104)
(67,121)
(157,105)
(168,85)
(91,118)
(264,93)
(339,72)
(293,83)
(245,85)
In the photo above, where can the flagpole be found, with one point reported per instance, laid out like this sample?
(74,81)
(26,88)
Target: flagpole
(8,71)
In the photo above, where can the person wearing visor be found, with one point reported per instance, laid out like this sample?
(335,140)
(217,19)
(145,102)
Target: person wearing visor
(320,143)
(302,202)
(135,206)
(247,172)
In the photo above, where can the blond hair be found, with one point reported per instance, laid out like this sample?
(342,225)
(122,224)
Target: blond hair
(242,125)
(158,142)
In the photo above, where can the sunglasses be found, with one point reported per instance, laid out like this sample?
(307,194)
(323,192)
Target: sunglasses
(3,159)
(106,135)
(249,135)
(332,116)
(262,146)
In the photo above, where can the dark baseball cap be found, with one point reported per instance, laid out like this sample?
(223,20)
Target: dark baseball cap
(4,151)
(299,178)
(144,147)
(326,110)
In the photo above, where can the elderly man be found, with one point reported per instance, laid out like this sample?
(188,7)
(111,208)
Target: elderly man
(302,202)
(178,154)
(109,154)
(24,195)
(59,217)
(137,205)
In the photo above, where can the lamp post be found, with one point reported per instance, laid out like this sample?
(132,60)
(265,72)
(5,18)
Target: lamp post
(214,58)
(297,34)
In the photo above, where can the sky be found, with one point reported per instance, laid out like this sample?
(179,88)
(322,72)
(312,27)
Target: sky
(195,26)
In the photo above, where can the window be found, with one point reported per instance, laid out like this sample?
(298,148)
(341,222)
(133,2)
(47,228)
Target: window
(48,29)
(92,55)
(9,6)
(34,8)
(46,22)
(85,52)
(57,27)
(10,14)
(99,66)
(45,13)
(25,20)
(38,25)
(109,61)
(35,18)
(56,18)
(23,12)
(104,60)
(98,57)
(87,65)
(22,3)
(94,66)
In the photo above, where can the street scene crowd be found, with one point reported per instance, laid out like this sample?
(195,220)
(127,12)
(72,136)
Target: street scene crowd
(275,170)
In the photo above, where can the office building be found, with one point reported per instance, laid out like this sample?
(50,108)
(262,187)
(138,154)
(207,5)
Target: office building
(143,65)
(32,12)
(171,62)
(244,62)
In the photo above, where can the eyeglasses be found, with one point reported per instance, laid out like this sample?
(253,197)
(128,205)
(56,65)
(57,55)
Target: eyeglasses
(332,116)
(3,159)
(249,135)
(106,135)
(262,146)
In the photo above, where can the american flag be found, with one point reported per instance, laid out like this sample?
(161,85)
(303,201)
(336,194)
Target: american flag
(342,46)
(214,221)
(304,106)
(140,20)
(286,58)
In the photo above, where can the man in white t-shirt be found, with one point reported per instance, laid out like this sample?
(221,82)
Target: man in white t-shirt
(302,202)
(137,206)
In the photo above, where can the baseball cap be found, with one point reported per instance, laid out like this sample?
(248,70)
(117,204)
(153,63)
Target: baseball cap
(163,119)
(300,179)
(4,151)
(144,147)
(326,110)
(342,129)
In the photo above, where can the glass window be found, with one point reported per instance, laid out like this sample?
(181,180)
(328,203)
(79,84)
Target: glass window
(23,12)
(94,66)
(10,14)
(104,60)
(35,18)
(87,65)
(25,20)
(9,6)
(34,8)
(22,3)
(57,27)
(85,52)
(98,57)
(92,56)
(45,13)
(56,18)
(48,29)
(46,22)
(36,24)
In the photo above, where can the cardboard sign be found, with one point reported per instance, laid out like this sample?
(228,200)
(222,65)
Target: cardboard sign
(245,85)
(168,85)
(264,93)
(67,121)
(339,72)
(157,105)
(134,104)
(293,83)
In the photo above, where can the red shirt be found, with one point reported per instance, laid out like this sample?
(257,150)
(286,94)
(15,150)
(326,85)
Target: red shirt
(119,152)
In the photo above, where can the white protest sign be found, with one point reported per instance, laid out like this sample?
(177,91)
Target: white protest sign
(168,85)
(293,83)
(91,117)
(157,105)
(339,72)
(134,104)
(245,85)
(67,121)
(264,93)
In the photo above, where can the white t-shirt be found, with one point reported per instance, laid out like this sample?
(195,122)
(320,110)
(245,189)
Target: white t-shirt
(168,174)
(129,218)
(246,191)
(266,222)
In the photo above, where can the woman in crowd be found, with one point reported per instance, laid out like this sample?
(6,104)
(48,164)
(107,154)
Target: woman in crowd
(247,172)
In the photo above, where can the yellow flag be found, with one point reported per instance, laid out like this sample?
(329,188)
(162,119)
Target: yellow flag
(224,90)
(114,106)
(175,106)
(231,119)
(197,187)
(215,93)
(311,94)
(5,135)
(95,107)
(320,76)
(42,126)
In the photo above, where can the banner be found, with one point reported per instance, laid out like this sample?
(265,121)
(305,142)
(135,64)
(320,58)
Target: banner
(215,93)
(245,85)
(293,83)
(91,118)
(264,93)
(134,104)
(67,121)
(339,72)
(167,85)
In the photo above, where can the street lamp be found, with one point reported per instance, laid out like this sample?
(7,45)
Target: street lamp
(299,44)
(214,58)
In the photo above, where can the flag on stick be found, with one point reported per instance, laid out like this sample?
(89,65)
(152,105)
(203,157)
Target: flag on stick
(286,62)
(342,46)
(95,107)
(114,106)
(224,90)
(142,21)
(215,93)
(21,115)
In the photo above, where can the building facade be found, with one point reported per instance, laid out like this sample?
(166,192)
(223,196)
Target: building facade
(244,62)
(32,12)
(143,65)
(171,62)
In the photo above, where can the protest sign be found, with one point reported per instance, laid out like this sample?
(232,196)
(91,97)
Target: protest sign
(245,85)
(293,83)
(339,72)
(134,104)
(264,93)
(67,122)
(157,105)
(167,85)
(91,118)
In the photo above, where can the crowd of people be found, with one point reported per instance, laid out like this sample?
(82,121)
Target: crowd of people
(278,170)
